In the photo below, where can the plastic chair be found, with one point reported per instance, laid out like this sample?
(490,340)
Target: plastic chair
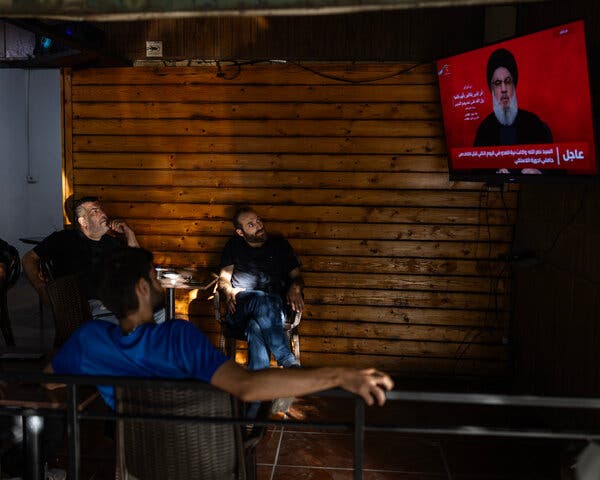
(229,335)
(180,451)
(70,308)
(13,271)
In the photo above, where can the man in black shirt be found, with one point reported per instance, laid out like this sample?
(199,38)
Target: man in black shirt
(257,271)
(79,251)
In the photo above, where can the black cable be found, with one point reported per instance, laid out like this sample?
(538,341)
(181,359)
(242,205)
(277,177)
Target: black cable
(567,224)
(494,283)
(239,66)
(348,80)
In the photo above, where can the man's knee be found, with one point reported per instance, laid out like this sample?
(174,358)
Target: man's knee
(257,300)
(253,328)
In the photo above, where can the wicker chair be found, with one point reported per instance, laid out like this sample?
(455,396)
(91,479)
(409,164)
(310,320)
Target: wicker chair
(229,335)
(181,451)
(69,307)
(13,270)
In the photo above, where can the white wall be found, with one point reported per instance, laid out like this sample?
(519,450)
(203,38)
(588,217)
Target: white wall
(30,209)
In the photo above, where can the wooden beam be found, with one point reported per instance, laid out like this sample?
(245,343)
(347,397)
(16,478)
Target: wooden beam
(113,10)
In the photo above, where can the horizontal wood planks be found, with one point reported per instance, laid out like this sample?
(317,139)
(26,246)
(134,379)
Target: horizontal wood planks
(403,268)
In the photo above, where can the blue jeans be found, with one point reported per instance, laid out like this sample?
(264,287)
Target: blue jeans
(261,316)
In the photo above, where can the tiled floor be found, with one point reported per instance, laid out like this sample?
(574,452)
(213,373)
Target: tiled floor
(294,453)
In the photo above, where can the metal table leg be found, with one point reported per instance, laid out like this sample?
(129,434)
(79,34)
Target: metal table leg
(33,427)
(170,306)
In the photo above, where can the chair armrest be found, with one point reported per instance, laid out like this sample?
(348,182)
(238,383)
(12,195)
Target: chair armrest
(297,316)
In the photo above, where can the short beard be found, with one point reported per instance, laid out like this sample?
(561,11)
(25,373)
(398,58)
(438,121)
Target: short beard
(506,116)
(98,230)
(254,238)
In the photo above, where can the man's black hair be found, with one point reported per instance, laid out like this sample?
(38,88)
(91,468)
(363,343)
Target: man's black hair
(78,206)
(236,216)
(502,58)
(122,270)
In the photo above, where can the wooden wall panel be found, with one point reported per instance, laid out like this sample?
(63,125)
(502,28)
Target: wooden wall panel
(403,268)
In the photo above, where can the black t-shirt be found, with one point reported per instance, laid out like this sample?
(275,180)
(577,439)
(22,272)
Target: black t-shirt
(71,252)
(264,268)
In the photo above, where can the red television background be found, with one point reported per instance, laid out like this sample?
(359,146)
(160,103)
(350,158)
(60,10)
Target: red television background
(553,83)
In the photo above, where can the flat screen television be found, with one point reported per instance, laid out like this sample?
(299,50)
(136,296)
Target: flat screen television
(520,110)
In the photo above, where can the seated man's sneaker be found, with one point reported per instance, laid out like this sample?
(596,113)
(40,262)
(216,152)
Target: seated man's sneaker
(280,407)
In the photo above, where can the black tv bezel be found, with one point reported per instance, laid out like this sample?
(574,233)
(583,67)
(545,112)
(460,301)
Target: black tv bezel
(493,178)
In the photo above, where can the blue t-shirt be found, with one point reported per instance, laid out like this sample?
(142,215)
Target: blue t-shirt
(175,349)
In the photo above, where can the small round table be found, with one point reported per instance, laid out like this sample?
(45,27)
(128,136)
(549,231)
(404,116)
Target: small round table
(171,279)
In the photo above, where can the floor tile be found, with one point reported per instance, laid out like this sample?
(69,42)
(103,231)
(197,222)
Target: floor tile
(314,473)
(383,451)
(263,472)
(305,473)
(316,449)
(391,451)
(377,475)
(267,447)
(323,409)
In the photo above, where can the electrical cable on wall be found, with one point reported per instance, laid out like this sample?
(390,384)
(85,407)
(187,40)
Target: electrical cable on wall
(239,64)
(494,290)
(368,80)
(30,178)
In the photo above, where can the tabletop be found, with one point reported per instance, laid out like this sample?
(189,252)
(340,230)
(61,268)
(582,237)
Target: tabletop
(186,278)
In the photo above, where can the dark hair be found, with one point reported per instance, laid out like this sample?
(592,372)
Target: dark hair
(122,270)
(236,216)
(502,58)
(78,206)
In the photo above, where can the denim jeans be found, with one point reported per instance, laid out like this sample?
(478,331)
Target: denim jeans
(261,316)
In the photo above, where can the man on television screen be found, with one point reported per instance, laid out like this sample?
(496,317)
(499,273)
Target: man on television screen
(508,124)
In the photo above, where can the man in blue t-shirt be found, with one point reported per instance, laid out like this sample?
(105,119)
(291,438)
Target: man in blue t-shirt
(138,347)
(257,272)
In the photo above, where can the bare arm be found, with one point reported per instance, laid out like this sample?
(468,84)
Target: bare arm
(226,287)
(294,294)
(33,271)
(272,383)
(120,226)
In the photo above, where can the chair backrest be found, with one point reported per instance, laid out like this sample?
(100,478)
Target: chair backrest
(69,307)
(178,451)
(10,255)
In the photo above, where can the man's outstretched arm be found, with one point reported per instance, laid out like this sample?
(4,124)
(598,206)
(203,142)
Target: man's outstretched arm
(272,383)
